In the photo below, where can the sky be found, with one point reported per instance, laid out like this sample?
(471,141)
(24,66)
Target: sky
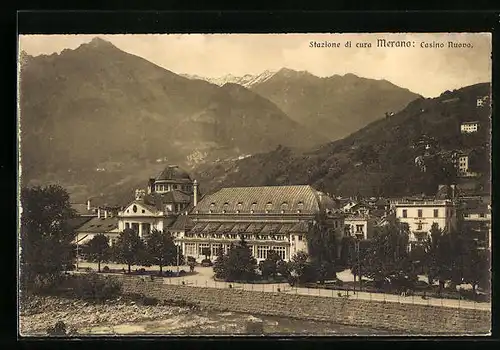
(426,71)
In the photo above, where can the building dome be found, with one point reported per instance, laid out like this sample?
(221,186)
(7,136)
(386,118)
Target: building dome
(173,173)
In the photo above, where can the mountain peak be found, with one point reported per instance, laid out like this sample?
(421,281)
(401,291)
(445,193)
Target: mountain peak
(289,73)
(99,43)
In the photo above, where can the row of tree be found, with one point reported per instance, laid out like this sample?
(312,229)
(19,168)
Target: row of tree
(158,249)
(47,245)
(452,257)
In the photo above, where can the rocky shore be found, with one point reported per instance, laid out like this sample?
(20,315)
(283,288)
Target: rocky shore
(39,313)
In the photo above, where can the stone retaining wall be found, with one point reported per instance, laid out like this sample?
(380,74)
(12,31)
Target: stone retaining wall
(402,318)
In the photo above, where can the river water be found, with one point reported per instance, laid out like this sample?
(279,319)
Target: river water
(227,323)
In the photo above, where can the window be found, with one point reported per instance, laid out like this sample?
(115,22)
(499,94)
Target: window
(262,251)
(336,224)
(216,247)
(419,213)
(359,228)
(281,251)
(436,213)
(300,237)
(134,208)
(127,225)
(405,213)
(135,227)
(190,249)
(481,215)
(225,207)
(202,246)
(143,211)
(284,206)
(419,227)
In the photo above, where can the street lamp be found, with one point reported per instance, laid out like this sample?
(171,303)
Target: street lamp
(177,249)
(356,247)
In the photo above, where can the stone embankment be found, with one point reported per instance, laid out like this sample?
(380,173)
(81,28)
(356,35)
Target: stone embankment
(398,317)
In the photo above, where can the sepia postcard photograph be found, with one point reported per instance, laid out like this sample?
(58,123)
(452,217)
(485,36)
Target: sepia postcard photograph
(254,184)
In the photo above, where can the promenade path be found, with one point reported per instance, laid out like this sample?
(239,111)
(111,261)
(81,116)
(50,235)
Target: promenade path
(204,279)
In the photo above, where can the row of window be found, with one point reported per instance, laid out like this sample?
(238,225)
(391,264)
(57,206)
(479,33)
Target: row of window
(168,187)
(359,228)
(145,229)
(213,249)
(420,213)
(269,206)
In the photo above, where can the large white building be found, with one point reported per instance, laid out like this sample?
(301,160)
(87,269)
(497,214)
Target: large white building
(168,195)
(421,213)
(269,218)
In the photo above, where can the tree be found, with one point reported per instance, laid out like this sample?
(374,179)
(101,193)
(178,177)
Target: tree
(220,265)
(269,266)
(161,249)
(46,237)
(97,250)
(323,248)
(129,248)
(240,264)
(387,259)
(301,270)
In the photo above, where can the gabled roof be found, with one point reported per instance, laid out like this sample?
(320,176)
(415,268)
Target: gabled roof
(273,199)
(99,225)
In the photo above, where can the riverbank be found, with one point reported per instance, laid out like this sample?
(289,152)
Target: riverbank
(121,317)
(39,313)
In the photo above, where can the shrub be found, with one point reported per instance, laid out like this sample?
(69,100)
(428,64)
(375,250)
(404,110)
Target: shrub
(105,269)
(93,287)
(182,273)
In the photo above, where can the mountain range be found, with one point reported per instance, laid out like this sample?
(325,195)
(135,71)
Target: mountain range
(334,106)
(101,121)
(247,80)
(379,159)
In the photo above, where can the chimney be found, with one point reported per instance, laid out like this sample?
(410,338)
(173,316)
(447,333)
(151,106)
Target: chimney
(88,204)
(98,213)
(195,193)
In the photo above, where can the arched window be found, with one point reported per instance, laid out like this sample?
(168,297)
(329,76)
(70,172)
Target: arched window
(253,207)
(225,207)
(269,205)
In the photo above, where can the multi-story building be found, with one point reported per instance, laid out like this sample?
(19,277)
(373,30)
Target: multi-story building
(168,195)
(359,226)
(463,165)
(469,127)
(269,218)
(421,213)
(477,221)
